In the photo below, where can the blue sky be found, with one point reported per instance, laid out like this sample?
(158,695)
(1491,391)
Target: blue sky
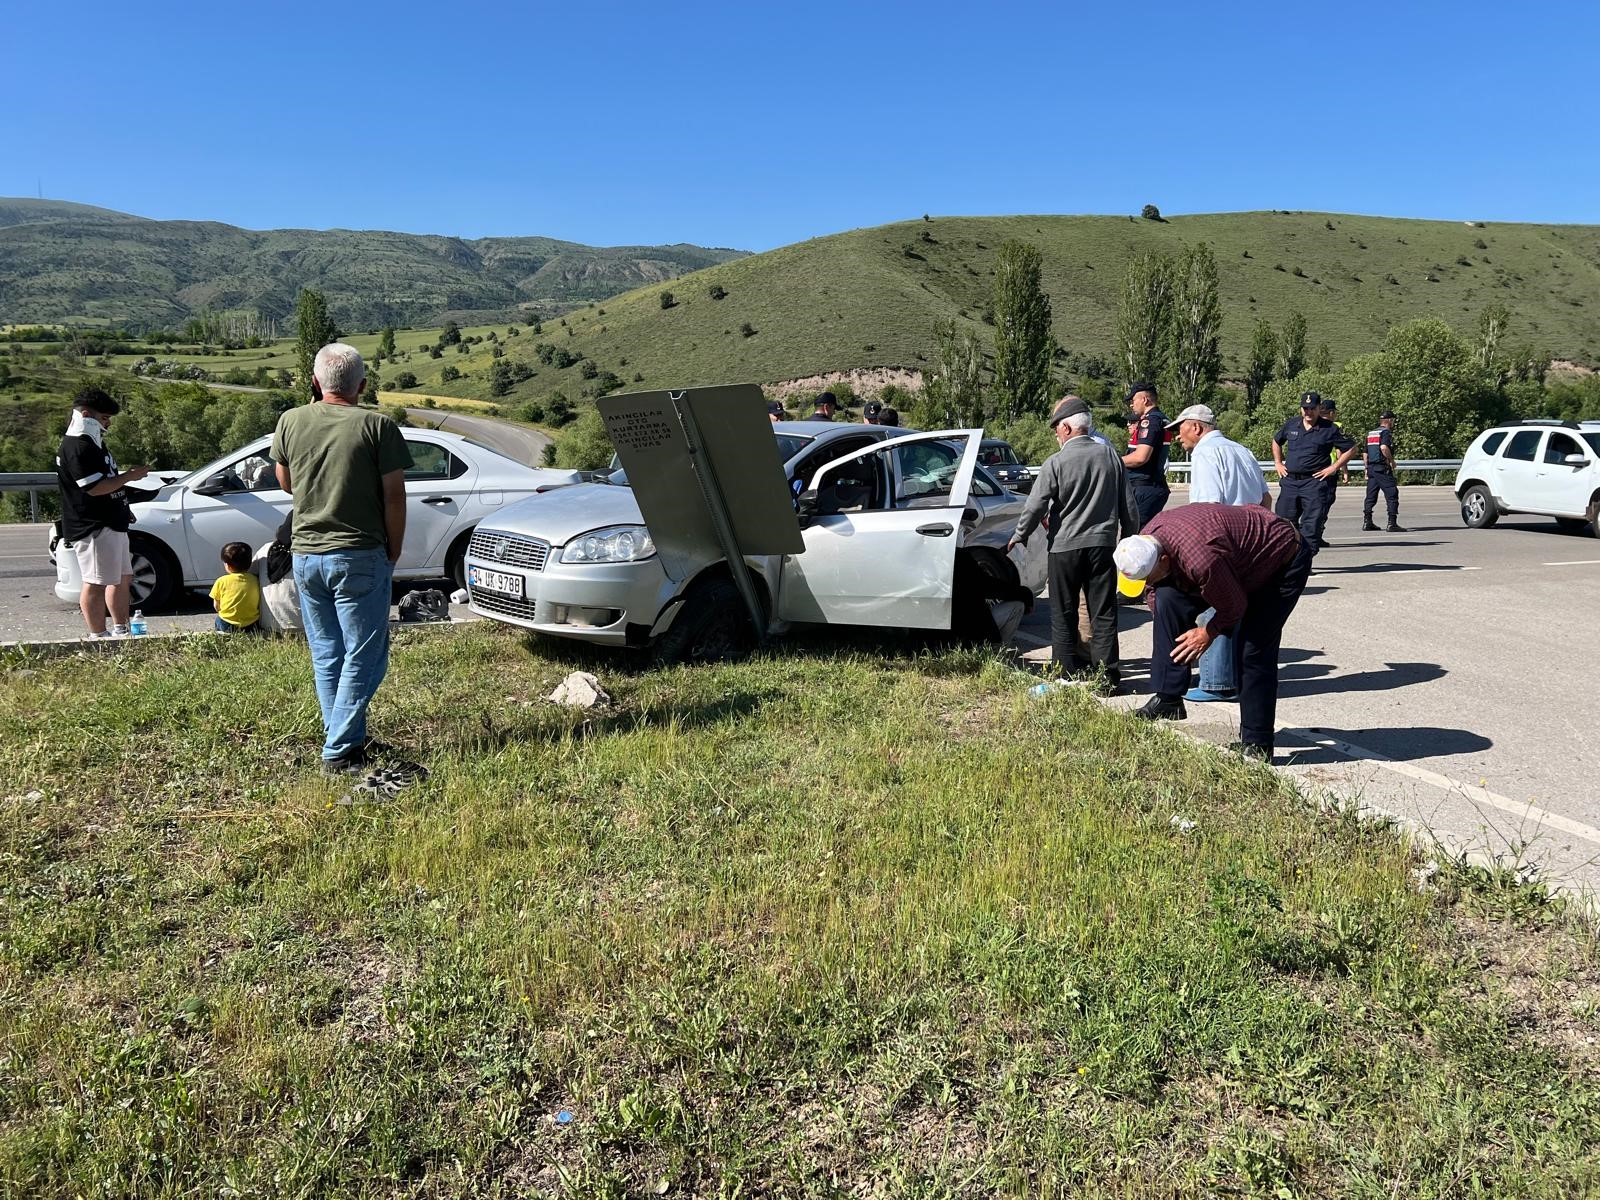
(754,125)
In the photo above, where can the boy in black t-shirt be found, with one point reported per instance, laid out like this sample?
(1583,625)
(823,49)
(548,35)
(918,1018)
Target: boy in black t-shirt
(94,512)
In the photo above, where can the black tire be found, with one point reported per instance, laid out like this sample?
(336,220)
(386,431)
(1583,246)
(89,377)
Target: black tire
(712,626)
(1594,516)
(455,563)
(1478,509)
(155,574)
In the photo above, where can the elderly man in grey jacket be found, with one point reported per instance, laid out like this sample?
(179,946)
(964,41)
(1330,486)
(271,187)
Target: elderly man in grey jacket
(1082,495)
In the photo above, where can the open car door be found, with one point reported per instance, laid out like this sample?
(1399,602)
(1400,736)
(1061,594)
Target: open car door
(882,529)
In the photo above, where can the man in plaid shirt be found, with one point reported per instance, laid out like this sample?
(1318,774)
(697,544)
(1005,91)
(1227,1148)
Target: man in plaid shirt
(1246,563)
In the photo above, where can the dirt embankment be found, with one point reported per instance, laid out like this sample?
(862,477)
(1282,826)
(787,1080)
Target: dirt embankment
(864,382)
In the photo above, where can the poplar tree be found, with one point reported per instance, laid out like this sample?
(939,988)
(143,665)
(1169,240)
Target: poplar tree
(1144,316)
(1196,327)
(314,330)
(1023,343)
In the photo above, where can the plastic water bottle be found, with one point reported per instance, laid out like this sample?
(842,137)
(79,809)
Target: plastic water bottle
(136,625)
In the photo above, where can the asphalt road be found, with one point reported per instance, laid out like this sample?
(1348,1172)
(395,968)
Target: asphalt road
(514,441)
(1445,675)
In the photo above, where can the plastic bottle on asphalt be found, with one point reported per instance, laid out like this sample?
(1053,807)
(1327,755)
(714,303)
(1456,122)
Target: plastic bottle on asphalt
(136,625)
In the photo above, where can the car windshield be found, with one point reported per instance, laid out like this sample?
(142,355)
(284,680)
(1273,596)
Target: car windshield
(994,456)
(1593,439)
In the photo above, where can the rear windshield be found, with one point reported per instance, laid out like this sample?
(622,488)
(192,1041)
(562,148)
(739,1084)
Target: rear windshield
(1593,439)
(1492,442)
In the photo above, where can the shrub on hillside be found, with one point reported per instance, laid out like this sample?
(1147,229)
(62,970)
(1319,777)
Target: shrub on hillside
(667,300)
(717,292)
(449,375)
(748,329)
(405,380)
(589,370)
(585,446)
(1150,212)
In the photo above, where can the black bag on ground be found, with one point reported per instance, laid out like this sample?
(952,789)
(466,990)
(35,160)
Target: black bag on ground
(428,605)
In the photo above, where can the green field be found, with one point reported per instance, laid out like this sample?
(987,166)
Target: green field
(730,938)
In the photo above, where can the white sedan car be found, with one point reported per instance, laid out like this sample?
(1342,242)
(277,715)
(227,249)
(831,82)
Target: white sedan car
(179,532)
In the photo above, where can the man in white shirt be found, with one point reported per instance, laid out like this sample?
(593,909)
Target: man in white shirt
(1221,472)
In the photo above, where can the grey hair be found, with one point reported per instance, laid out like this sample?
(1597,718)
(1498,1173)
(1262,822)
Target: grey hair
(1080,423)
(339,369)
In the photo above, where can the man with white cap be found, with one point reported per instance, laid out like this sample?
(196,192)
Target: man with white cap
(1220,472)
(1248,565)
(1083,491)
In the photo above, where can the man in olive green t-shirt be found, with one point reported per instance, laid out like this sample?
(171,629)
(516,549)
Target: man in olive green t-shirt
(345,467)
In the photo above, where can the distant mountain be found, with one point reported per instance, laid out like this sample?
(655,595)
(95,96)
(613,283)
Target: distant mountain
(61,262)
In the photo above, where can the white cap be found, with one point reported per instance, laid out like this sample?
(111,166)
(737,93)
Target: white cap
(1196,412)
(1136,556)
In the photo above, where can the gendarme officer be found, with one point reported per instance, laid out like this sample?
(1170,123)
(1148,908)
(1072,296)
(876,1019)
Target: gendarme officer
(1146,459)
(1380,475)
(1303,452)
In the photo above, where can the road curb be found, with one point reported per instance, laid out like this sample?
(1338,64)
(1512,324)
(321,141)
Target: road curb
(66,647)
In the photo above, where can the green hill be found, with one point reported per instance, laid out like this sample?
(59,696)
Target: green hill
(868,298)
(64,262)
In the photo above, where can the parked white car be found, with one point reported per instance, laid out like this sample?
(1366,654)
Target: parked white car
(884,513)
(179,532)
(1550,468)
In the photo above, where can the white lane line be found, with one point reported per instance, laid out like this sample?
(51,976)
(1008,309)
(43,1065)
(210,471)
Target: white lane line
(1576,562)
(1504,803)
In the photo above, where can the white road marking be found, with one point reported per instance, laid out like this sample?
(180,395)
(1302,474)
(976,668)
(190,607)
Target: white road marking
(1576,562)
(1504,803)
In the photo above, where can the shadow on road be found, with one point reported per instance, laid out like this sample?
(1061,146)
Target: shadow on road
(1401,743)
(1317,680)
(1383,568)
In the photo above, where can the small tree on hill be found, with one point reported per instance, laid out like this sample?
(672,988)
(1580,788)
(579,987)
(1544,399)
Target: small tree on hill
(1492,325)
(668,300)
(450,335)
(1150,212)
(386,342)
(1024,346)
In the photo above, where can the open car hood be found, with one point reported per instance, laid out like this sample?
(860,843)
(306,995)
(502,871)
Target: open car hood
(561,514)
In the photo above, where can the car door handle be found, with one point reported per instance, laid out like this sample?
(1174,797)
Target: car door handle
(436,499)
(971,514)
(942,529)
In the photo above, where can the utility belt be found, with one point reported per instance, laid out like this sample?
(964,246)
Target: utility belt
(1378,468)
(1141,481)
(1301,475)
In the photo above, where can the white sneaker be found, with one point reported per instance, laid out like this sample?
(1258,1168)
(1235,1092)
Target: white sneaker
(119,631)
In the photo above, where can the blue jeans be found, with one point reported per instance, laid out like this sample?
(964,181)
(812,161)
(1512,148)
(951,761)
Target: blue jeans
(344,604)
(1219,665)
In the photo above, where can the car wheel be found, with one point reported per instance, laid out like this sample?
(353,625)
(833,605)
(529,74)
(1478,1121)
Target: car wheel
(155,574)
(1594,516)
(455,563)
(712,627)
(1478,510)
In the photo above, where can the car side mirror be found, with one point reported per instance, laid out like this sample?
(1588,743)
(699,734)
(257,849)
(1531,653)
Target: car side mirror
(805,507)
(214,485)
(1576,460)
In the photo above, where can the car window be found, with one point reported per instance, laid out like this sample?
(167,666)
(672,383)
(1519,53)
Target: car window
(995,456)
(254,473)
(823,455)
(983,485)
(1523,444)
(1593,439)
(1492,442)
(1559,446)
(429,460)
(790,444)
(927,473)
(860,485)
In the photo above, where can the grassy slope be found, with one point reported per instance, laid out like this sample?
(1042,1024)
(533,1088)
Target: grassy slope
(819,305)
(753,944)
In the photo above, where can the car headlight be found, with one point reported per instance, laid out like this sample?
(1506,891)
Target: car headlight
(621,543)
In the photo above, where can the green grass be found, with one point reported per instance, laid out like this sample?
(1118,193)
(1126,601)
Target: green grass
(818,924)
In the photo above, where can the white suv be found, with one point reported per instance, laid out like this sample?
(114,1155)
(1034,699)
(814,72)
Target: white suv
(1548,467)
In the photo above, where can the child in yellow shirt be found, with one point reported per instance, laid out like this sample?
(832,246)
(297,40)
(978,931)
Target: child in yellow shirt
(237,595)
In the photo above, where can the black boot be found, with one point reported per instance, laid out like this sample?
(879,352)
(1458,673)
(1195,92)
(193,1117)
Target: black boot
(1395,527)
(1367,526)
(1162,708)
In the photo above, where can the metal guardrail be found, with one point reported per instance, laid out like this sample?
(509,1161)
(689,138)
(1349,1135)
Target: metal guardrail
(1400,464)
(32,482)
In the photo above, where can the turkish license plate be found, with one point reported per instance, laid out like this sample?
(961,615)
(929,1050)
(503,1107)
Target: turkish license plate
(495,581)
